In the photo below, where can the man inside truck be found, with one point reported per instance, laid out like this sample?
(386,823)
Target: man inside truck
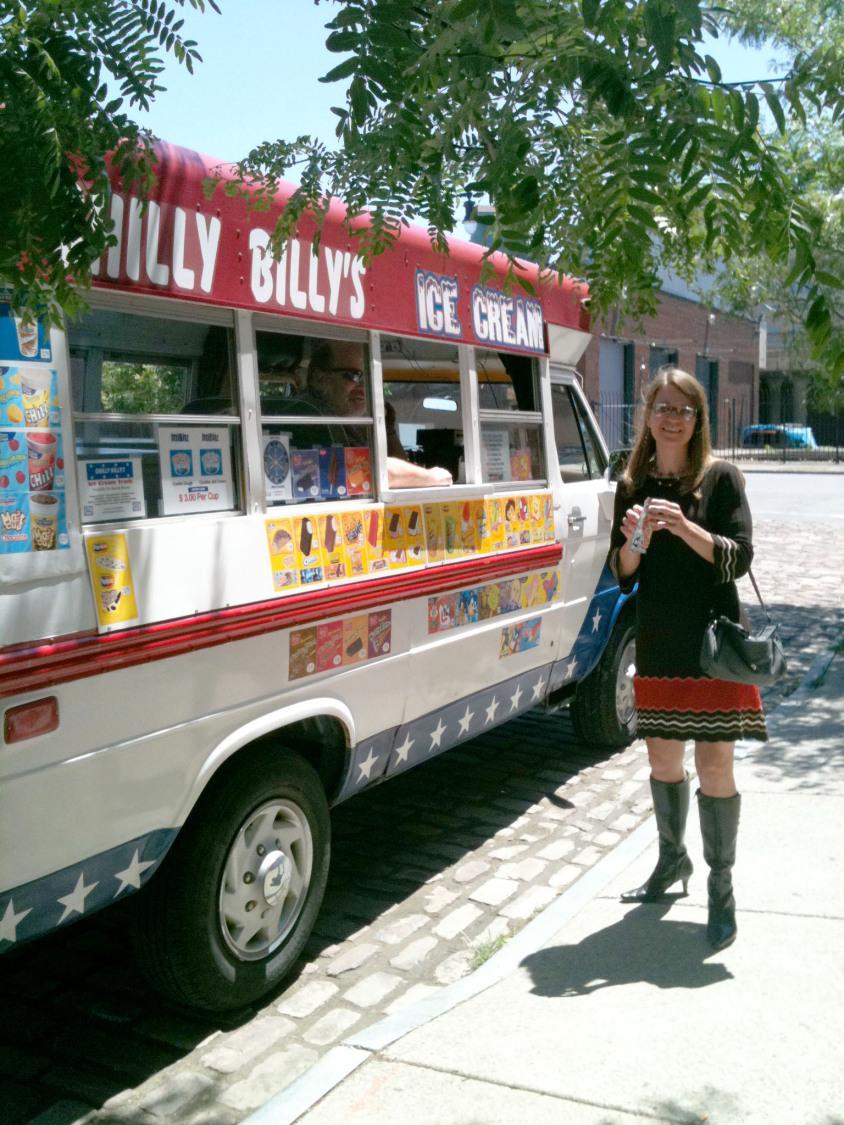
(336,386)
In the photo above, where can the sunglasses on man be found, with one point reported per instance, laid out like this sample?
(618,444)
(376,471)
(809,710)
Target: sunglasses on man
(350,374)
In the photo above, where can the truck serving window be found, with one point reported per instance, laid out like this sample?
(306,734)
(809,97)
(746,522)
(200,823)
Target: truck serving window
(511,422)
(156,416)
(316,418)
(423,402)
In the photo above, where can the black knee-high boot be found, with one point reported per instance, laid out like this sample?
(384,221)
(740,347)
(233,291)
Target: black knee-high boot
(719,819)
(671,807)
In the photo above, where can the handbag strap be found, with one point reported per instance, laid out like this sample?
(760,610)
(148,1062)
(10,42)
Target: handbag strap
(758,595)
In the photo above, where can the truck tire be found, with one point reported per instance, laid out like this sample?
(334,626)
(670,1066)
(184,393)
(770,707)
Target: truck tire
(225,918)
(603,710)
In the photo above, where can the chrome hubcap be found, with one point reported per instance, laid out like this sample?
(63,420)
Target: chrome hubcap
(265,879)
(625,703)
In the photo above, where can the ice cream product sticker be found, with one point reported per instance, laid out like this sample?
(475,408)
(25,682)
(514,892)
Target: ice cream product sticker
(518,638)
(305,465)
(434,532)
(32,521)
(111,581)
(14,466)
(44,520)
(282,554)
(303,652)
(195,469)
(414,535)
(442,613)
(29,397)
(332,645)
(21,338)
(332,471)
(493,530)
(329,645)
(358,471)
(306,540)
(520,464)
(452,530)
(354,541)
(376,547)
(380,630)
(355,639)
(334,557)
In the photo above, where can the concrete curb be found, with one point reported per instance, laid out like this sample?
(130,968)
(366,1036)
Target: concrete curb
(821,468)
(301,1095)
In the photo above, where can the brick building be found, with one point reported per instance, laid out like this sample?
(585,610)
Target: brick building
(722,350)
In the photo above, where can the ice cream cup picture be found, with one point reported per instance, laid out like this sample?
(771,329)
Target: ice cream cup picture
(212,462)
(41,456)
(36,385)
(44,520)
(181,464)
(27,337)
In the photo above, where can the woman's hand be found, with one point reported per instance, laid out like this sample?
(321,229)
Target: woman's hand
(665,515)
(631,519)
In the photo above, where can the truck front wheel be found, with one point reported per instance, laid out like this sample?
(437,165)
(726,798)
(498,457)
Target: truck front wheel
(603,709)
(225,918)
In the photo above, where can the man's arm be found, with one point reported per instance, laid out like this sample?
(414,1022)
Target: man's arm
(404,474)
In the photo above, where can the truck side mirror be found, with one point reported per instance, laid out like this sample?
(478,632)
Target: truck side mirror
(618,462)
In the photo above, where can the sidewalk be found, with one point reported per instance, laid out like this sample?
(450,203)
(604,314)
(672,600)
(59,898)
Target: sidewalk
(602,1014)
(773,466)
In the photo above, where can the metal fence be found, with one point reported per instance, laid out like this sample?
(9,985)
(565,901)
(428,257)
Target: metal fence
(736,434)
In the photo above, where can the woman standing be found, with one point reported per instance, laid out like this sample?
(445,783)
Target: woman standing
(697,541)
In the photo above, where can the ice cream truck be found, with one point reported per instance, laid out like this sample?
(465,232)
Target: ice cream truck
(275,528)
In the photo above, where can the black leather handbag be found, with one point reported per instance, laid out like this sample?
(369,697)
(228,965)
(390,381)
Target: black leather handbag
(731,652)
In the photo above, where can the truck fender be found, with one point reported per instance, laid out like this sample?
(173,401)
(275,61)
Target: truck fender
(257,728)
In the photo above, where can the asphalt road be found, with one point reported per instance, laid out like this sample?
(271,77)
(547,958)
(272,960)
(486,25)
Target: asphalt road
(796,496)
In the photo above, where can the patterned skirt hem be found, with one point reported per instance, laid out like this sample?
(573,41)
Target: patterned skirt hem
(683,726)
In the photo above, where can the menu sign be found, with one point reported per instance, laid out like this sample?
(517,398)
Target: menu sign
(111,490)
(196,473)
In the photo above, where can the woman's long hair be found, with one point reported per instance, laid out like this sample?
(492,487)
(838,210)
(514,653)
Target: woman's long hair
(699,450)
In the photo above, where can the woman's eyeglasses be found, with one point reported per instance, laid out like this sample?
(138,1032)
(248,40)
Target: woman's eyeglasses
(665,410)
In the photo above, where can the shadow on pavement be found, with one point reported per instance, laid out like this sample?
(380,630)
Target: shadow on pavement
(640,947)
(80,1023)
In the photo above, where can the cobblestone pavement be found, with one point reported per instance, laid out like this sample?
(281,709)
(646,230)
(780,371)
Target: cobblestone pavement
(420,890)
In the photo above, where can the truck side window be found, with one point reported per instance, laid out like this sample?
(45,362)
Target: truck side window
(578,453)
(511,422)
(156,416)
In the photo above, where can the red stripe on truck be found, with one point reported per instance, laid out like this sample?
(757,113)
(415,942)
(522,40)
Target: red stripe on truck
(32,667)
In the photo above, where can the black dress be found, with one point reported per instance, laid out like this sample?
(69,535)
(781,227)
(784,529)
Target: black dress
(678,592)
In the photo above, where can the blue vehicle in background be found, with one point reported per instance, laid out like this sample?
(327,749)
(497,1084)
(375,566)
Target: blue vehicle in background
(778,435)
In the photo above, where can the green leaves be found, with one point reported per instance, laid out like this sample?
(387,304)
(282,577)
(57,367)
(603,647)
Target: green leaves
(774,105)
(68,71)
(660,24)
(600,132)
